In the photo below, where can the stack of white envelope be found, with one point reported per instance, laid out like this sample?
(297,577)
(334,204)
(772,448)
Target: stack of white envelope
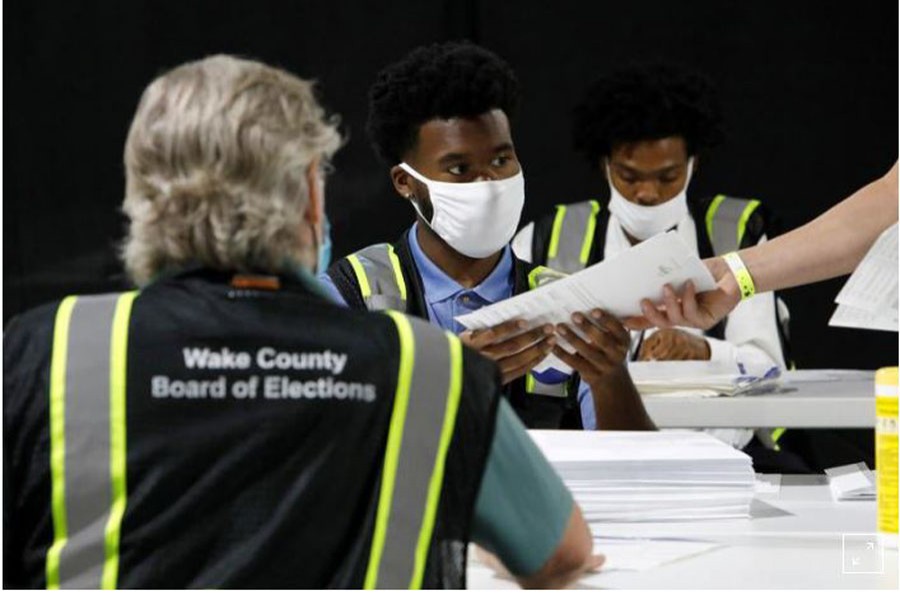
(650,476)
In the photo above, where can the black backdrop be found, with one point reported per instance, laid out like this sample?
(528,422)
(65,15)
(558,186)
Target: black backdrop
(809,89)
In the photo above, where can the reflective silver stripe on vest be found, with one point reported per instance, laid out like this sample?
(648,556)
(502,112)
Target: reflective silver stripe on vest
(429,397)
(557,390)
(88,496)
(540,276)
(724,234)
(380,271)
(571,238)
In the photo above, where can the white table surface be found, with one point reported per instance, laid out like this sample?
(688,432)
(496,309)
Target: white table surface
(849,402)
(792,540)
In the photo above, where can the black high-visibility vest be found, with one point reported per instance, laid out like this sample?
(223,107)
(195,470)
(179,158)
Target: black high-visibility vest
(215,432)
(383,276)
(574,237)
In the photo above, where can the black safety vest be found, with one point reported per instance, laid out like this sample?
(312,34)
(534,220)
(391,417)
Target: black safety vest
(383,276)
(574,237)
(209,433)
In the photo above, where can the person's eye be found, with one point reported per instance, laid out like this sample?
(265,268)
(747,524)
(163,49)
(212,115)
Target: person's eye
(500,161)
(629,179)
(457,169)
(668,179)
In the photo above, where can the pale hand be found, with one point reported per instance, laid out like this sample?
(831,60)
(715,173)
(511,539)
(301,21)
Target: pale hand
(688,308)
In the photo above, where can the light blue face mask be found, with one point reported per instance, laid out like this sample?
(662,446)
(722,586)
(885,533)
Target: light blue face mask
(324,248)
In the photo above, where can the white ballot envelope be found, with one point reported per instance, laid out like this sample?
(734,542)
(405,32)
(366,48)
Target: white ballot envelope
(616,285)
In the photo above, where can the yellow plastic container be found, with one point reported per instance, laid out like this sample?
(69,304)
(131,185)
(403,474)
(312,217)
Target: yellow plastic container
(886,453)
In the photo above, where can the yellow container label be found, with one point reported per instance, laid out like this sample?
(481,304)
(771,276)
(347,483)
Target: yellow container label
(886,448)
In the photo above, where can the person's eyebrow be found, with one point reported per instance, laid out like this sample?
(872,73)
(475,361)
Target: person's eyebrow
(632,170)
(504,147)
(452,157)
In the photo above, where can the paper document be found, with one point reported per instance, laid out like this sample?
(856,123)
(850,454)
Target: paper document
(851,482)
(616,285)
(860,318)
(869,299)
(700,378)
(642,554)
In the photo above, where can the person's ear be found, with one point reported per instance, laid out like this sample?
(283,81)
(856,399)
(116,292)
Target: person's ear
(404,183)
(315,208)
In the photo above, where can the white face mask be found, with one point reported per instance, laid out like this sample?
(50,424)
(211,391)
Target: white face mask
(643,222)
(477,218)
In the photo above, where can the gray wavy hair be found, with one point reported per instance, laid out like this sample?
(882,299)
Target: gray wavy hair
(216,166)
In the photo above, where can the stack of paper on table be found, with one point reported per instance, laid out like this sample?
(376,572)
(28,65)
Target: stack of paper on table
(869,299)
(700,378)
(851,482)
(650,476)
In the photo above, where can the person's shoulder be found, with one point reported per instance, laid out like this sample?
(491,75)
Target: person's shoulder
(34,322)
(754,212)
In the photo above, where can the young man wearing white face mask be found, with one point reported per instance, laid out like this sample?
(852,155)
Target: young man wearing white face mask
(440,118)
(643,127)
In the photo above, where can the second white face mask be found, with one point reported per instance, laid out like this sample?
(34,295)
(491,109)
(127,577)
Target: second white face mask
(643,222)
(477,218)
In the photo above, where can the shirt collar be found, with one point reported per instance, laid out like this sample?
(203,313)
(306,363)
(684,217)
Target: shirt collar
(439,286)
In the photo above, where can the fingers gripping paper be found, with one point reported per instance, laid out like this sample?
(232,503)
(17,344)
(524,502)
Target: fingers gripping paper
(616,285)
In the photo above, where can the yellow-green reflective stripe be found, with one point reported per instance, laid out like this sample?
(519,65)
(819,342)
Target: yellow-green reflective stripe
(58,438)
(533,275)
(392,451)
(589,233)
(118,360)
(364,288)
(711,213)
(437,474)
(529,383)
(745,216)
(398,273)
(777,433)
(554,235)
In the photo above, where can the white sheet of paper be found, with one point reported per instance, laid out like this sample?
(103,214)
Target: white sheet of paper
(884,319)
(869,299)
(873,285)
(642,554)
(616,285)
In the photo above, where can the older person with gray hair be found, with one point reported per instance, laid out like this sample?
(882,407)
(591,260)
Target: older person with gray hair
(227,425)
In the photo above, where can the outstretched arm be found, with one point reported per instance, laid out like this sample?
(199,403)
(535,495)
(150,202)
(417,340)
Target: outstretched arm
(829,246)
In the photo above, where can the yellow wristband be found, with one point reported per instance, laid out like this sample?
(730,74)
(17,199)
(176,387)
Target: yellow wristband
(741,274)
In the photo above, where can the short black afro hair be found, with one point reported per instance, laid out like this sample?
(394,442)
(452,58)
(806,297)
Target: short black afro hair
(647,102)
(440,81)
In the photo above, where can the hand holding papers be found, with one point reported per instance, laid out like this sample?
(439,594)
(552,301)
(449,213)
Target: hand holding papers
(616,286)
(515,347)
